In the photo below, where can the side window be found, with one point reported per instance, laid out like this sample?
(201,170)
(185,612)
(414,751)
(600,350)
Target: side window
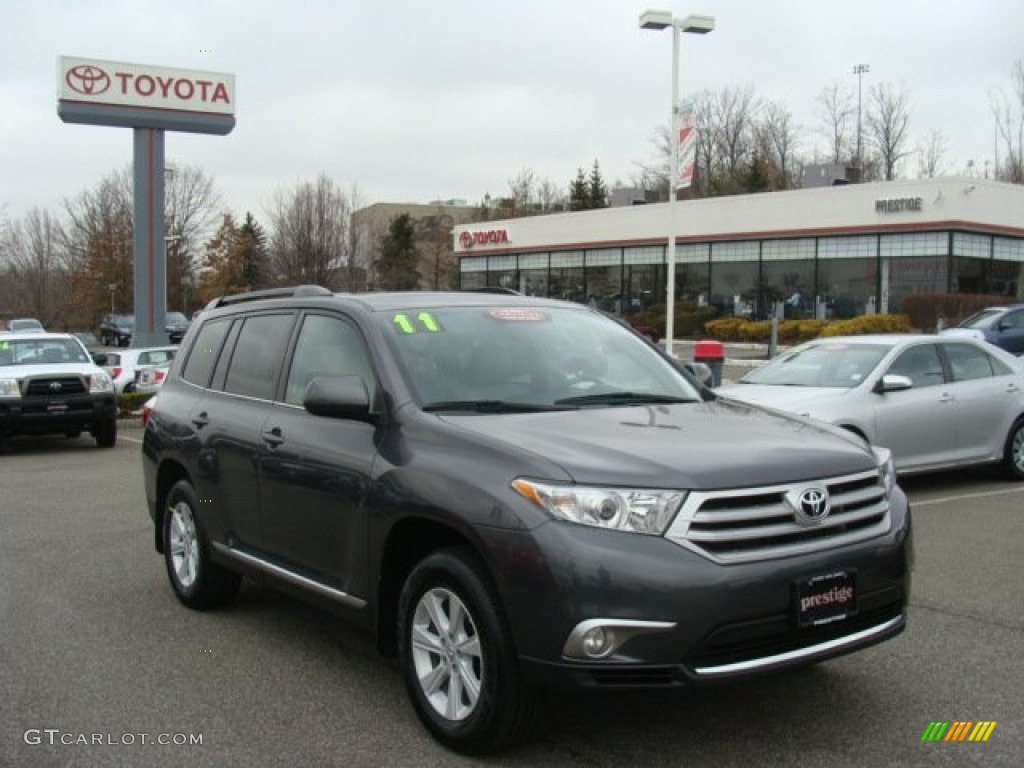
(968,362)
(203,356)
(258,356)
(327,346)
(921,364)
(1014,320)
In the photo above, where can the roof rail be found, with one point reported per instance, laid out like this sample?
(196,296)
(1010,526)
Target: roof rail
(298,292)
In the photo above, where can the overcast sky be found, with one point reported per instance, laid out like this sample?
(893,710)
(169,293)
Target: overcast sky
(418,100)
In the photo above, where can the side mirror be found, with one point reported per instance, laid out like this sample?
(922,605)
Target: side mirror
(701,372)
(892,382)
(338,397)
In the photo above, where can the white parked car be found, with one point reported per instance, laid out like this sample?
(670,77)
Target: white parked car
(149,379)
(123,364)
(935,401)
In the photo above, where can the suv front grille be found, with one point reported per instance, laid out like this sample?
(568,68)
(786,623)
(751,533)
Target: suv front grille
(750,524)
(55,386)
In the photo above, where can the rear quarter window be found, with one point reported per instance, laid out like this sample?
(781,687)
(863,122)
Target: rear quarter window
(202,358)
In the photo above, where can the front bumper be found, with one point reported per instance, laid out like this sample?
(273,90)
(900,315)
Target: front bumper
(45,416)
(714,621)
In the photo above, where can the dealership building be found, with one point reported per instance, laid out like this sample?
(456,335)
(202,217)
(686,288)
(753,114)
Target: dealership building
(832,252)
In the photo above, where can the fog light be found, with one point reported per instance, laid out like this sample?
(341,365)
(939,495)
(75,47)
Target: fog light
(598,641)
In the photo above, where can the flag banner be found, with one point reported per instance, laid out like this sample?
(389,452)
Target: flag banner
(687,151)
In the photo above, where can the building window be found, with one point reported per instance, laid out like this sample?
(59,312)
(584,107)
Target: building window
(848,247)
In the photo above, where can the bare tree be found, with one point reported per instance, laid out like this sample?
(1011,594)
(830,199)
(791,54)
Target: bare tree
(191,207)
(931,152)
(434,245)
(1008,112)
(98,247)
(837,112)
(734,115)
(523,188)
(310,241)
(34,259)
(888,119)
(779,140)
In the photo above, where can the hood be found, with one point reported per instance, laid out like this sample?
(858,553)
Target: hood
(799,400)
(699,446)
(49,370)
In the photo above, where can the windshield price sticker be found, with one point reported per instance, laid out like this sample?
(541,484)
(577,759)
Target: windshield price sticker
(516,315)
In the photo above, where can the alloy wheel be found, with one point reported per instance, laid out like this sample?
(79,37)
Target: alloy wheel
(447,655)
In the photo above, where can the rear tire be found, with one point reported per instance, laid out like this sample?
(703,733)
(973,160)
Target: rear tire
(197,581)
(1013,452)
(457,656)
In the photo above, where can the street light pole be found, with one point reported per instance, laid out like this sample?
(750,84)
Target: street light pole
(859,71)
(700,25)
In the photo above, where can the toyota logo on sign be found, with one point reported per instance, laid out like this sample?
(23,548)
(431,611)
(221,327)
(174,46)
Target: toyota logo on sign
(87,80)
(810,505)
(466,239)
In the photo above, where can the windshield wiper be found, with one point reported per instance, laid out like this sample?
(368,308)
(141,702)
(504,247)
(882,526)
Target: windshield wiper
(628,398)
(490,406)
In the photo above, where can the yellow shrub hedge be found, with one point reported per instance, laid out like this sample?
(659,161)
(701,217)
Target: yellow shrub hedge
(791,331)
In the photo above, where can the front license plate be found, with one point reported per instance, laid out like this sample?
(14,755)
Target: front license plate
(827,598)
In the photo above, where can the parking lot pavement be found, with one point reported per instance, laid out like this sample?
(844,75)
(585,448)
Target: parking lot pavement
(93,643)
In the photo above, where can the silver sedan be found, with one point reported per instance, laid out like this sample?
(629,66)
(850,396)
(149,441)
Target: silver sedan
(935,402)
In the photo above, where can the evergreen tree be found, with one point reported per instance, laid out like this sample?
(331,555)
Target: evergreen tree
(579,194)
(597,191)
(253,255)
(397,266)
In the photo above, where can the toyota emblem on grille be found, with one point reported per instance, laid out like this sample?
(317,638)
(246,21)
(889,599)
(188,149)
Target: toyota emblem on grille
(810,505)
(87,80)
(55,386)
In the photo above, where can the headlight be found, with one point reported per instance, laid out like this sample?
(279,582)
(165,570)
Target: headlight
(100,382)
(886,468)
(636,510)
(9,388)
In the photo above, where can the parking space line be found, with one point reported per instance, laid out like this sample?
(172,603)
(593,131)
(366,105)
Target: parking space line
(948,499)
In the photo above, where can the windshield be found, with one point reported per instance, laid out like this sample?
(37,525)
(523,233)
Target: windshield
(823,364)
(982,319)
(25,324)
(176,318)
(42,352)
(508,358)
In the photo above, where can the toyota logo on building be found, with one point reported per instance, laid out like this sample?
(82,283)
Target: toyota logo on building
(810,505)
(87,80)
(466,239)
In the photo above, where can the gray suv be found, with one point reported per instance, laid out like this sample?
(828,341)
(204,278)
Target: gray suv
(513,494)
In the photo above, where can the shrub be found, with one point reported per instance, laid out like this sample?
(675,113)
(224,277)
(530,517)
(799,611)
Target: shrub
(858,326)
(130,402)
(725,328)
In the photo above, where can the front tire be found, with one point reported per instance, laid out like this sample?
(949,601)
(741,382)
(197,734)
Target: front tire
(197,581)
(1013,452)
(457,656)
(106,433)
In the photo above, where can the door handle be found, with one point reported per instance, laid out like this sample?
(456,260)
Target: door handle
(945,397)
(201,420)
(273,437)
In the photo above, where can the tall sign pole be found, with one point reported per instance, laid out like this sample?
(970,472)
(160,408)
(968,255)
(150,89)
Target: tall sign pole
(150,100)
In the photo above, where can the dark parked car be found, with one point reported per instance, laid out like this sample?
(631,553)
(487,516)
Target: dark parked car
(176,324)
(116,330)
(1002,326)
(514,494)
